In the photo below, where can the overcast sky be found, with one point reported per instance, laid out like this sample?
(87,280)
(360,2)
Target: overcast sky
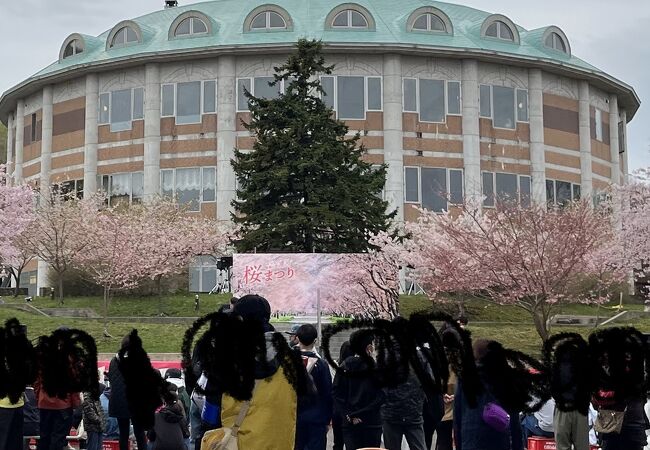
(611,35)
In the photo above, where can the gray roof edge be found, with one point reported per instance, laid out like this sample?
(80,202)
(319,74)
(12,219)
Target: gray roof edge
(631,101)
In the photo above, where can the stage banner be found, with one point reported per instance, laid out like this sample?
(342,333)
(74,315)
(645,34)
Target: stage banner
(295,283)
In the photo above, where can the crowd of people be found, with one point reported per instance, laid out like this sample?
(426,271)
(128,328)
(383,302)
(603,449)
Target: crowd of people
(394,380)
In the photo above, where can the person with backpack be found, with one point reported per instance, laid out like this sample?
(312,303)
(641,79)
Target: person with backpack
(314,416)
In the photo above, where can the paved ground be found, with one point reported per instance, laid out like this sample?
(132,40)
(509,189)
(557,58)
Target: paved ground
(330,440)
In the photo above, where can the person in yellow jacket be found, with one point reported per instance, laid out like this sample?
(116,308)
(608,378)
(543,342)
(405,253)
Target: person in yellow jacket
(16,372)
(249,361)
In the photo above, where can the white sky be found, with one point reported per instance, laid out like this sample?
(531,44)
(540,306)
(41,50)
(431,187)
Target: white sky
(611,35)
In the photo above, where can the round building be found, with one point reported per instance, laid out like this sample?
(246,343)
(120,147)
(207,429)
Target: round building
(451,98)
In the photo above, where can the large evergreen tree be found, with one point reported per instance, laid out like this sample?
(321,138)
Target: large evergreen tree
(305,186)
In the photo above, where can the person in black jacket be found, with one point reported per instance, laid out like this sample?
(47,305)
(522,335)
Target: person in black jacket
(314,417)
(358,394)
(170,429)
(337,420)
(94,421)
(402,415)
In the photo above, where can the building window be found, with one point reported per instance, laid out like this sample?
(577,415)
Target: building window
(268,20)
(120,108)
(258,87)
(561,193)
(33,134)
(433,188)
(122,188)
(349,18)
(598,119)
(621,137)
(500,30)
(429,22)
(190,186)
(504,105)
(352,96)
(74,47)
(69,189)
(191,26)
(555,41)
(124,36)
(432,99)
(188,101)
(203,274)
(506,187)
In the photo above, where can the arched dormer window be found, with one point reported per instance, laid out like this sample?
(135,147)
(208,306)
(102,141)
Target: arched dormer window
(268,18)
(349,19)
(349,16)
(190,24)
(73,45)
(124,34)
(501,28)
(73,48)
(555,39)
(429,20)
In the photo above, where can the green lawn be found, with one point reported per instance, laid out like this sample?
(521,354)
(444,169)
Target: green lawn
(507,324)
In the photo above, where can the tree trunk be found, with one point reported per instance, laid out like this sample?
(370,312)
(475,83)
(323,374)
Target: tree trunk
(541,326)
(60,281)
(107,294)
(159,293)
(17,277)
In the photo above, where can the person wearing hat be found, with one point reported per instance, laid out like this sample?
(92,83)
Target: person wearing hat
(293,338)
(255,369)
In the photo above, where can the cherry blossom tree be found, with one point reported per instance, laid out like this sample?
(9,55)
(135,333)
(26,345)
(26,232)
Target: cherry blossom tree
(633,201)
(112,258)
(18,259)
(145,241)
(55,235)
(16,216)
(534,258)
(175,237)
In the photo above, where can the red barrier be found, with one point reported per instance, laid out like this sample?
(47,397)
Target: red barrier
(539,443)
(155,364)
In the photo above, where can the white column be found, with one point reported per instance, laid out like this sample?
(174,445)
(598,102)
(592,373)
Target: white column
(536,118)
(393,136)
(586,188)
(42,276)
(10,145)
(20,135)
(152,132)
(613,139)
(91,133)
(226,136)
(471,138)
(46,140)
(623,118)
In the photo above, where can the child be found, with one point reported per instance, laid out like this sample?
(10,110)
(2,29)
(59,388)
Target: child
(170,430)
(94,421)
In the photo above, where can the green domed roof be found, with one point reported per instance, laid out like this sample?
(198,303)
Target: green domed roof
(308,19)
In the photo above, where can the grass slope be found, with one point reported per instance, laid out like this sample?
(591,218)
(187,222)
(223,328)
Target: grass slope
(507,324)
